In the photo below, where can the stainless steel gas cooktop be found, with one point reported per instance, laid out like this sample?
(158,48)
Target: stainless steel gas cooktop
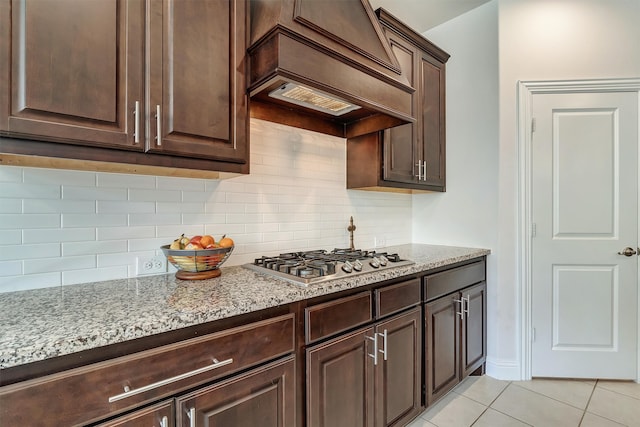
(307,267)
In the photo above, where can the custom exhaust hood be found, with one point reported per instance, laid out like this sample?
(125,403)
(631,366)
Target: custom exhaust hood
(326,66)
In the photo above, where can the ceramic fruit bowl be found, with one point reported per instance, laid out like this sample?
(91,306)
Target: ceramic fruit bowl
(197,264)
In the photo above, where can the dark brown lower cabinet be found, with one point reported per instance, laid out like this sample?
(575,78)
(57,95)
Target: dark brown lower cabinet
(455,339)
(160,415)
(263,397)
(367,378)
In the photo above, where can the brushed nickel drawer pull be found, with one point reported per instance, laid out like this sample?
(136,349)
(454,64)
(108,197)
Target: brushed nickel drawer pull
(164,422)
(384,349)
(129,392)
(158,126)
(192,417)
(136,131)
(374,355)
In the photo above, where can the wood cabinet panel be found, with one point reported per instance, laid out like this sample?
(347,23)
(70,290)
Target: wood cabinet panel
(446,282)
(409,157)
(76,71)
(262,397)
(333,317)
(398,378)
(158,415)
(474,332)
(340,381)
(394,298)
(442,336)
(97,384)
(197,79)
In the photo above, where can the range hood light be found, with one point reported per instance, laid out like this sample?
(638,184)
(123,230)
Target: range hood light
(311,98)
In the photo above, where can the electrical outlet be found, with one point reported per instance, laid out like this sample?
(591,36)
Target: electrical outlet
(151,265)
(379,242)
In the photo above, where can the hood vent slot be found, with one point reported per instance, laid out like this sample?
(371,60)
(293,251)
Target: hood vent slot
(314,99)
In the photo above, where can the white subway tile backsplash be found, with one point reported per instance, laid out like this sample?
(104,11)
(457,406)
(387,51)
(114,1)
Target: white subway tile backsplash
(32,220)
(63,177)
(50,265)
(10,268)
(11,174)
(138,195)
(54,235)
(122,181)
(73,277)
(173,183)
(124,233)
(70,220)
(11,237)
(58,206)
(11,206)
(30,281)
(94,247)
(124,207)
(89,226)
(180,207)
(29,252)
(85,193)
(19,190)
(137,245)
(155,219)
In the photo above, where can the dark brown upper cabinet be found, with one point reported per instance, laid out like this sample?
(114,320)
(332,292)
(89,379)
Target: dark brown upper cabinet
(156,83)
(409,157)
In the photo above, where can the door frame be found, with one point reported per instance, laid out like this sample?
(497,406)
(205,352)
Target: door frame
(525,92)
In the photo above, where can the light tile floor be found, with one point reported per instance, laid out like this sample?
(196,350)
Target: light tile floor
(487,402)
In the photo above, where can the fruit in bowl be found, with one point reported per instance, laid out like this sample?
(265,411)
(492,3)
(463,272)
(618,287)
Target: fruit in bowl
(198,257)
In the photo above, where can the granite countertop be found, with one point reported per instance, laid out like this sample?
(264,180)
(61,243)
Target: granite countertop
(45,323)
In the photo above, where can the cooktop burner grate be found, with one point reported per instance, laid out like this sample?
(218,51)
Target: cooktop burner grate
(318,265)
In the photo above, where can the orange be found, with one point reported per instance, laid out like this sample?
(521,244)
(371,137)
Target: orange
(225,242)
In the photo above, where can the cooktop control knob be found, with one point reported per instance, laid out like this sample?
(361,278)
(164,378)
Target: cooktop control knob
(357,265)
(347,267)
(383,260)
(375,263)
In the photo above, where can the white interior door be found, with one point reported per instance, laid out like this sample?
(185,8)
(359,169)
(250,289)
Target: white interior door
(584,210)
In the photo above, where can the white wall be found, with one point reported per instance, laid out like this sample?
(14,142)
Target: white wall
(60,227)
(466,214)
(550,40)
(536,40)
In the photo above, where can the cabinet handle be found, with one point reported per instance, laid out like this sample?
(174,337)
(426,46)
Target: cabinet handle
(424,175)
(136,123)
(158,126)
(129,392)
(461,312)
(419,165)
(374,338)
(384,348)
(192,417)
(164,422)
(466,311)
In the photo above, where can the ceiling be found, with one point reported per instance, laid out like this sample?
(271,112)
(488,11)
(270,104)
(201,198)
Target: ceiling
(422,15)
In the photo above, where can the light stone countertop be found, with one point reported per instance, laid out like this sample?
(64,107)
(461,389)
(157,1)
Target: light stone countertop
(44,323)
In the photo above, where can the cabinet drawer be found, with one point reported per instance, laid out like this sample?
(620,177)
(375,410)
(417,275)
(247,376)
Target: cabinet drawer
(394,298)
(445,282)
(92,392)
(324,320)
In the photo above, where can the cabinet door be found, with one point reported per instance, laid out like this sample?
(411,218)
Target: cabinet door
(442,346)
(398,374)
(474,330)
(263,397)
(159,415)
(432,120)
(197,79)
(399,164)
(340,382)
(72,71)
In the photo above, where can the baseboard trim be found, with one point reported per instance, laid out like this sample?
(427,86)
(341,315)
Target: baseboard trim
(507,370)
